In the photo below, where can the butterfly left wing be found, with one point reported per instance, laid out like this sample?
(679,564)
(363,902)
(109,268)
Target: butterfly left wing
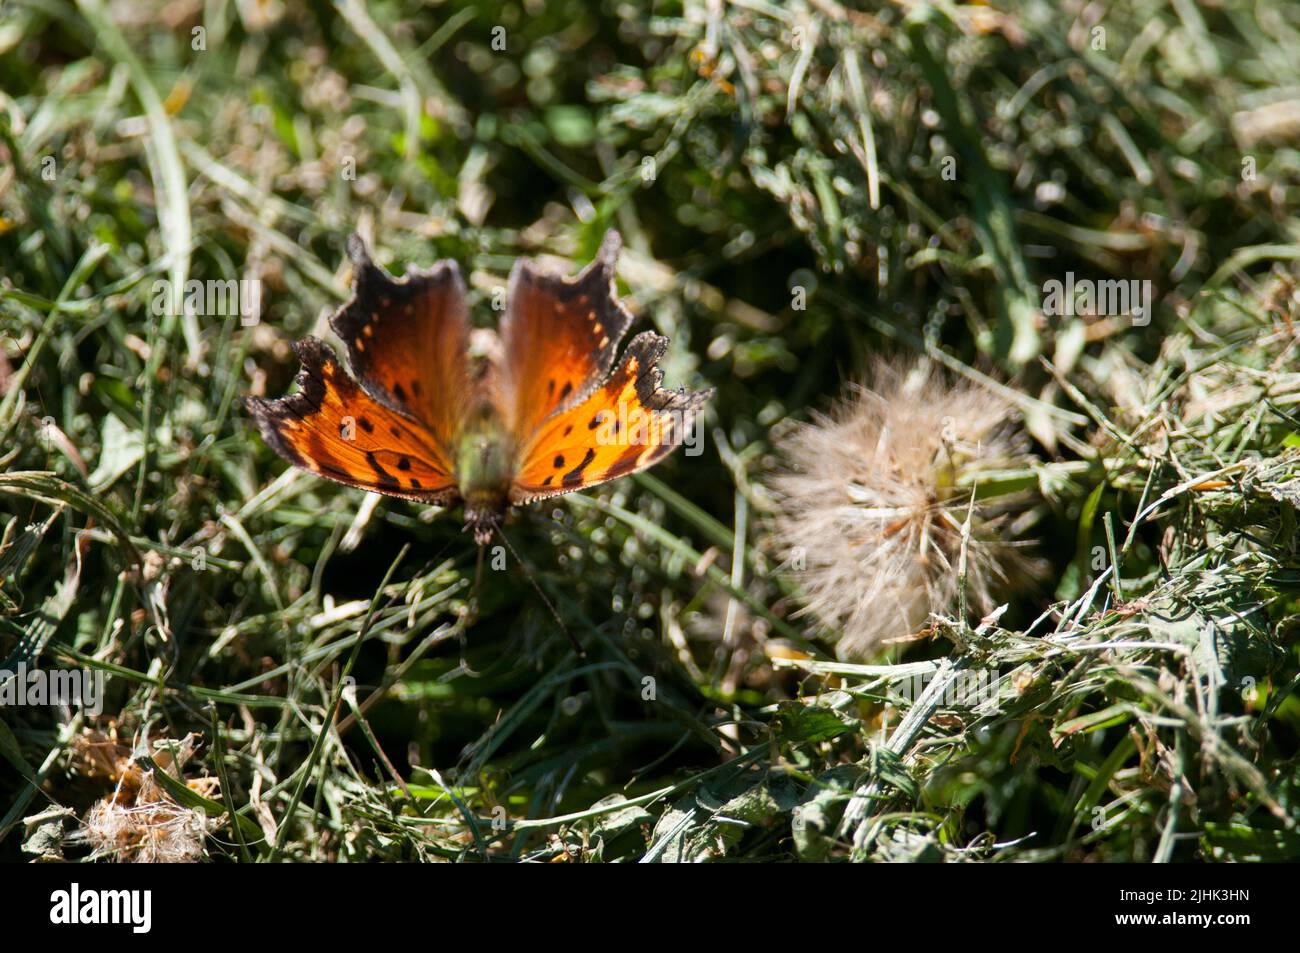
(628,423)
(335,429)
(392,429)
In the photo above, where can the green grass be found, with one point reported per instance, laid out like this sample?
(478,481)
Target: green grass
(918,176)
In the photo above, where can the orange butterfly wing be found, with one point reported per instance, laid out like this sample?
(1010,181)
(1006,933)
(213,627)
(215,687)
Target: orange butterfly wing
(628,424)
(408,340)
(578,425)
(333,428)
(391,429)
(559,337)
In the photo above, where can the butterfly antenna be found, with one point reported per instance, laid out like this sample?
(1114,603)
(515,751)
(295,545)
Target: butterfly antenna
(577,646)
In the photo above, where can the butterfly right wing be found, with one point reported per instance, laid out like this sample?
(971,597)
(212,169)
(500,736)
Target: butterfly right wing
(559,337)
(333,428)
(629,423)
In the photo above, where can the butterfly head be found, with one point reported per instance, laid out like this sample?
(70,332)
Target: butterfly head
(483,523)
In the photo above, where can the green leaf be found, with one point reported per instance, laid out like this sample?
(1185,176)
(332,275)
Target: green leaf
(889,767)
(796,724)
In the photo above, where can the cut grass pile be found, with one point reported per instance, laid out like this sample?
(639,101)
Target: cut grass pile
(294,670)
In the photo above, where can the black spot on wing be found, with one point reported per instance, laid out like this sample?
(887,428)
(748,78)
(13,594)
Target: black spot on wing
(574,476)
(329,470)
(385,478)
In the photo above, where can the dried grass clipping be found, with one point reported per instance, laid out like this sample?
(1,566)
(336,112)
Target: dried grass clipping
(139,822)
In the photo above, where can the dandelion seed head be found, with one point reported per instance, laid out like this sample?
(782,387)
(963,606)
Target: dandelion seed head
(874,496)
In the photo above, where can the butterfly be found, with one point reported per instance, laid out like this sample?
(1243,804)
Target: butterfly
(538,409)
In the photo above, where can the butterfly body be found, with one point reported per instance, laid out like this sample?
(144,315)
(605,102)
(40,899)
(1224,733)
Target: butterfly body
(484,463)
(539,411)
